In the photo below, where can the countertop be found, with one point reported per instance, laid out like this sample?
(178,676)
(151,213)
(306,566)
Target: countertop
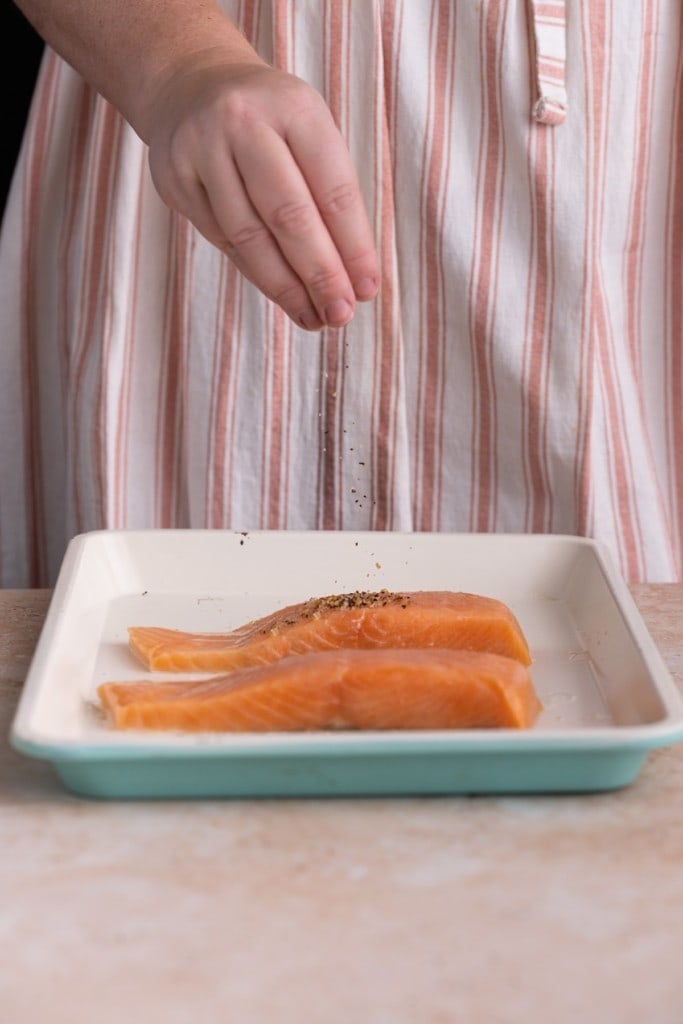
(382,911)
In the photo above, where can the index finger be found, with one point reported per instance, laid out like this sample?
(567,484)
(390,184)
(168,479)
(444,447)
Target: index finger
(325,162)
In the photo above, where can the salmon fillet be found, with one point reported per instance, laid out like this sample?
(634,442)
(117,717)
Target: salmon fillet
(351,689)
(364,620)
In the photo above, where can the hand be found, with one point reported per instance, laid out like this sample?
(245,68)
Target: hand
(253,158)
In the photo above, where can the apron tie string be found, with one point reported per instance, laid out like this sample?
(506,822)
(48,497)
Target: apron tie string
(549,26)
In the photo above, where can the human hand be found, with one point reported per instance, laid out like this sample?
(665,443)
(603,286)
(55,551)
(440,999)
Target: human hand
(253,158)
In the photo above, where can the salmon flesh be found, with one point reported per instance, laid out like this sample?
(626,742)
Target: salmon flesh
(360,620)
(375,689)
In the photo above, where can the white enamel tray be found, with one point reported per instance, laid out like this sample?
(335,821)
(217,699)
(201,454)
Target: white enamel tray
(608,697)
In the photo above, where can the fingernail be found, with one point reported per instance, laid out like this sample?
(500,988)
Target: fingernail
(338,313)
(309,320)
(366,288)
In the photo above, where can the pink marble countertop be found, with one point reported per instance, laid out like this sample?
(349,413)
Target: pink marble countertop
(434,910)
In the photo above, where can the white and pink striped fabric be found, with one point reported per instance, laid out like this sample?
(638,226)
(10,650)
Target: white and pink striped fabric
(522,369)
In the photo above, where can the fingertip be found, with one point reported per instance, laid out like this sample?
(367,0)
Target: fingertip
(338,313)
(366,288)
(309,320)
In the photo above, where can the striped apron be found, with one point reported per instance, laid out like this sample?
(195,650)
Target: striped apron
(521,369)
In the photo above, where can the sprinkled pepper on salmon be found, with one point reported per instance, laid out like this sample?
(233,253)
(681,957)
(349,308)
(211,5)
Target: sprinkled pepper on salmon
(360,620)
(375,689)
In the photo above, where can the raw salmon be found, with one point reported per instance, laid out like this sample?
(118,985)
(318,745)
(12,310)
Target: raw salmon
(434,618)
(350,689)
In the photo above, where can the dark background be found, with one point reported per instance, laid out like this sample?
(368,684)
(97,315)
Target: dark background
(23,49)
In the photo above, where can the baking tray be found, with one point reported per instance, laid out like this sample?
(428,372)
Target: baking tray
(608,697)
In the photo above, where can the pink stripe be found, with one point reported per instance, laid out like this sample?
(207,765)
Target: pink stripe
(275,449)
(226,363)
(332,452)
(345,126)
(282,34)
(122,440)
(490,174)
(622,486)
(386,365)
(552,72)
(92,276)
(549,9)
(248,19)
(76,173)
(386,382)
(585,395)
(41,125)
(274,462)
(635,244)
(551,22)
(169,395)
(335,62)
(537,351)
(674,304)
(435,178)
